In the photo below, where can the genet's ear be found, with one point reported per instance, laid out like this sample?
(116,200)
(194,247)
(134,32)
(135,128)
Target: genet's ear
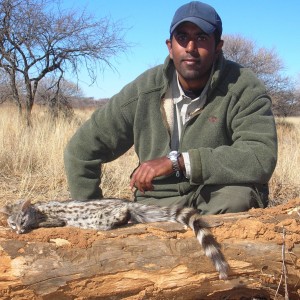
(25,205)
(5,210)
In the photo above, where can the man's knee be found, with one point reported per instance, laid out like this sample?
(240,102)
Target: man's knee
(219,199)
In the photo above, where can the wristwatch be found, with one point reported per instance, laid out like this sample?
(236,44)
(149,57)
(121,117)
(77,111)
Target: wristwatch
(173,156)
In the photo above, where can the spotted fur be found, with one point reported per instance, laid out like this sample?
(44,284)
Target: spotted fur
(106,214)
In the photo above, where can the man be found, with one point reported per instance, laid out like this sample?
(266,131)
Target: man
(201,126)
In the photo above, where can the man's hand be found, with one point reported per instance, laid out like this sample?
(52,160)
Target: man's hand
(143,176)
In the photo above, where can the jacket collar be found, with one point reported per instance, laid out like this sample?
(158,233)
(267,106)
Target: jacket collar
(169,69)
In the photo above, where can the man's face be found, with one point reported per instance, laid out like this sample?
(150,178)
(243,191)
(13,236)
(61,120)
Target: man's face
(193,53)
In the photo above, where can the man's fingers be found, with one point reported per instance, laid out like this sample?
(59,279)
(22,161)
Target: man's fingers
(142,178)
(133,180)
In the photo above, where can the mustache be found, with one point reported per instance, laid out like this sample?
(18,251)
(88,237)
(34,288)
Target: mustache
(191,58)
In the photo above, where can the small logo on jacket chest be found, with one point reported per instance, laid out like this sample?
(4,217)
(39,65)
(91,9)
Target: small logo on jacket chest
(213,119)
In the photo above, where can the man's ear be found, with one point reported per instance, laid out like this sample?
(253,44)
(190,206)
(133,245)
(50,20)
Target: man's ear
(169,45)
(219,47)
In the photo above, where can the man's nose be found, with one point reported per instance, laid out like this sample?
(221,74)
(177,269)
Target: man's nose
(191,46)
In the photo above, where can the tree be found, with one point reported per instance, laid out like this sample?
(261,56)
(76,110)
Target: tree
(4,87)
(37,37)
(268,66)
(56,96)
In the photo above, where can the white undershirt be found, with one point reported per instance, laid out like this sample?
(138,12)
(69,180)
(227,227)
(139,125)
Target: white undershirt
(184,109)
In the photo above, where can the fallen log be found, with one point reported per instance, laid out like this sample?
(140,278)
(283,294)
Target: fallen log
(156,261)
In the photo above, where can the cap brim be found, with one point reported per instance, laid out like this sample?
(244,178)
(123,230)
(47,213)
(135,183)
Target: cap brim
(202,24)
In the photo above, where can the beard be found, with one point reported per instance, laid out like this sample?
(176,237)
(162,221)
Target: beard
(193,71)
(194,67)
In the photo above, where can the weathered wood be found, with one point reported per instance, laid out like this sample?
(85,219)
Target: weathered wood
(154,261)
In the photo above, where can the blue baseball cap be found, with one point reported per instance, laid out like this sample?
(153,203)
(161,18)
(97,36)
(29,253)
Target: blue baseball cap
(201,14)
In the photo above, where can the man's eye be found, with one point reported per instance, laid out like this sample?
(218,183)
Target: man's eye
(184,39)
(201,38)
(181,37)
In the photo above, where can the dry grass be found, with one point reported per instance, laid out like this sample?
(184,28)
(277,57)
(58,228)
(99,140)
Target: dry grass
(31,160)
(285,182)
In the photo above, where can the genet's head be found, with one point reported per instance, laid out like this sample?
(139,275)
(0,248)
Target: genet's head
(20,216)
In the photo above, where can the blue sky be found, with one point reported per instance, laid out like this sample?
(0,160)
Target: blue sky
(270,23)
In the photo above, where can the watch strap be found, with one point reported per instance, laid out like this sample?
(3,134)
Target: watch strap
(173,156)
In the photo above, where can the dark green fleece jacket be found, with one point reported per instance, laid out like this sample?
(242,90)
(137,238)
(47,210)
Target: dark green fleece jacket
(231,141)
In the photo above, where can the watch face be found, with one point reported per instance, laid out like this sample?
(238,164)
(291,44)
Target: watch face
(174,154)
